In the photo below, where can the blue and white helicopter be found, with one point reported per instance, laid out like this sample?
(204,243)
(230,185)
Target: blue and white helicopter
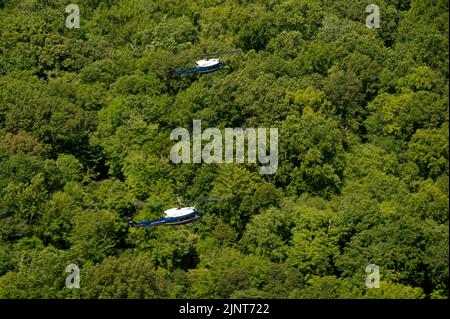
(207,65)
(174,216)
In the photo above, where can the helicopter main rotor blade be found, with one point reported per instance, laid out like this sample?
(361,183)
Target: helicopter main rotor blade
(225,52)
(209,54)
(139,203)
(200,200)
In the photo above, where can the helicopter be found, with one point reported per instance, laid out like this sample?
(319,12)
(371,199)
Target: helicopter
(173,216)
(207,65)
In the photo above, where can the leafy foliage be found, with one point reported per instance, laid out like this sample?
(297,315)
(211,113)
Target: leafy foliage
(85,120)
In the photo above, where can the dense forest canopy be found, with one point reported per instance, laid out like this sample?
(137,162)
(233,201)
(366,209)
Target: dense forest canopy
(85,119)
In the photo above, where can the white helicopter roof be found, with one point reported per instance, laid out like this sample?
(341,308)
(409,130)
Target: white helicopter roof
(205,63)
(177,212)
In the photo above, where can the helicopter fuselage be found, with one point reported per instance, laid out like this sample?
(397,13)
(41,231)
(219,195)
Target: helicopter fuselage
(203,66)
(174,216)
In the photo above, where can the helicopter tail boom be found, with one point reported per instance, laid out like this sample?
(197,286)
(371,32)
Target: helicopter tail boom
(147,224)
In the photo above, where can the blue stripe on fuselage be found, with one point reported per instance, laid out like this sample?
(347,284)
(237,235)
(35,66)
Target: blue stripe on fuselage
(171,220)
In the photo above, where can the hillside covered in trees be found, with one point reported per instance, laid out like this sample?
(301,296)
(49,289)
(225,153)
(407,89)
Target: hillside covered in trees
(362,113)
